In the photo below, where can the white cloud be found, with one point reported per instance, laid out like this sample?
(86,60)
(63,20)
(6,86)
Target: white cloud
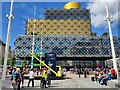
(98,12)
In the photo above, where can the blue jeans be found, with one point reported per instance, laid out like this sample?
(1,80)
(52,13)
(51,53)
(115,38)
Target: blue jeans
(99,80)
(104,81)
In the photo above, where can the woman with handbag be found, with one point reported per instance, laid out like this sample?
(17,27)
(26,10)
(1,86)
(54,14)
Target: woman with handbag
(16,79)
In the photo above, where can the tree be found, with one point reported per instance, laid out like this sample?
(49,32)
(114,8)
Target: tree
(2,61)
(12,61)
(24,62)
(105,34)
(93,34)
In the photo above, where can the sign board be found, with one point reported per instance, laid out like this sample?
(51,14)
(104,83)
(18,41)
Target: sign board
(50,60)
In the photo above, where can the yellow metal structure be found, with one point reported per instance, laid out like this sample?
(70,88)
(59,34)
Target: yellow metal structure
(59,70)
(45,65)
(71,5)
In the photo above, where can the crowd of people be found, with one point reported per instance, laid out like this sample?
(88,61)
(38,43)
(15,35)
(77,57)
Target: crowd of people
(79,71)
(17,77)
(102,75)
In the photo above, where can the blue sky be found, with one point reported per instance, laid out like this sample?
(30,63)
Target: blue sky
(24,10)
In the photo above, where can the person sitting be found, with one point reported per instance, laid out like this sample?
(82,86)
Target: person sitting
(100,77)
(96,76)
(106,78)
(113,73)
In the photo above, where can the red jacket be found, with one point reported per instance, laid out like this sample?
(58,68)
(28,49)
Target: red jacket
(113,71)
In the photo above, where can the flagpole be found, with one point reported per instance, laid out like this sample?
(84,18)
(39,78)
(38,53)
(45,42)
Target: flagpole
(108,19)
(7,41)
(33,44)
(41,48)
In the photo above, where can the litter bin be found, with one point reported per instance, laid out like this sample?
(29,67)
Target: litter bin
(93,79)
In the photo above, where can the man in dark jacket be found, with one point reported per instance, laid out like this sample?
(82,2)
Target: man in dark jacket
(18,78)
(79,72)
(85,72)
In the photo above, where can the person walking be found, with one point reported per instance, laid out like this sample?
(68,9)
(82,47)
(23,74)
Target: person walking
(49,77)
(44,78)
(16,79)
(85,73)
(13,78)
(31,77)
(22,77)
(79,72)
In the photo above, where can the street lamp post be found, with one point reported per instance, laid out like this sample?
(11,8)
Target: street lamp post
(41,46)
(108,19)
(33,43)
(7,41)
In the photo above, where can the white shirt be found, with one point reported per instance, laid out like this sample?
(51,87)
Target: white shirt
(48,71)
(31,74)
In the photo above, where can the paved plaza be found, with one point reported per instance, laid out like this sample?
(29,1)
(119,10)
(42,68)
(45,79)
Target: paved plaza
(72,81)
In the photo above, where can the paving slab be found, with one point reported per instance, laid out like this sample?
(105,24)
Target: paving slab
(72,81)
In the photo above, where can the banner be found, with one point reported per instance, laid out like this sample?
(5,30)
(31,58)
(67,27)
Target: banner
(50,60)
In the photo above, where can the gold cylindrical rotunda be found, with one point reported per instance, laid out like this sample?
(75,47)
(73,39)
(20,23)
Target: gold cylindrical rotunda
(71,5)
